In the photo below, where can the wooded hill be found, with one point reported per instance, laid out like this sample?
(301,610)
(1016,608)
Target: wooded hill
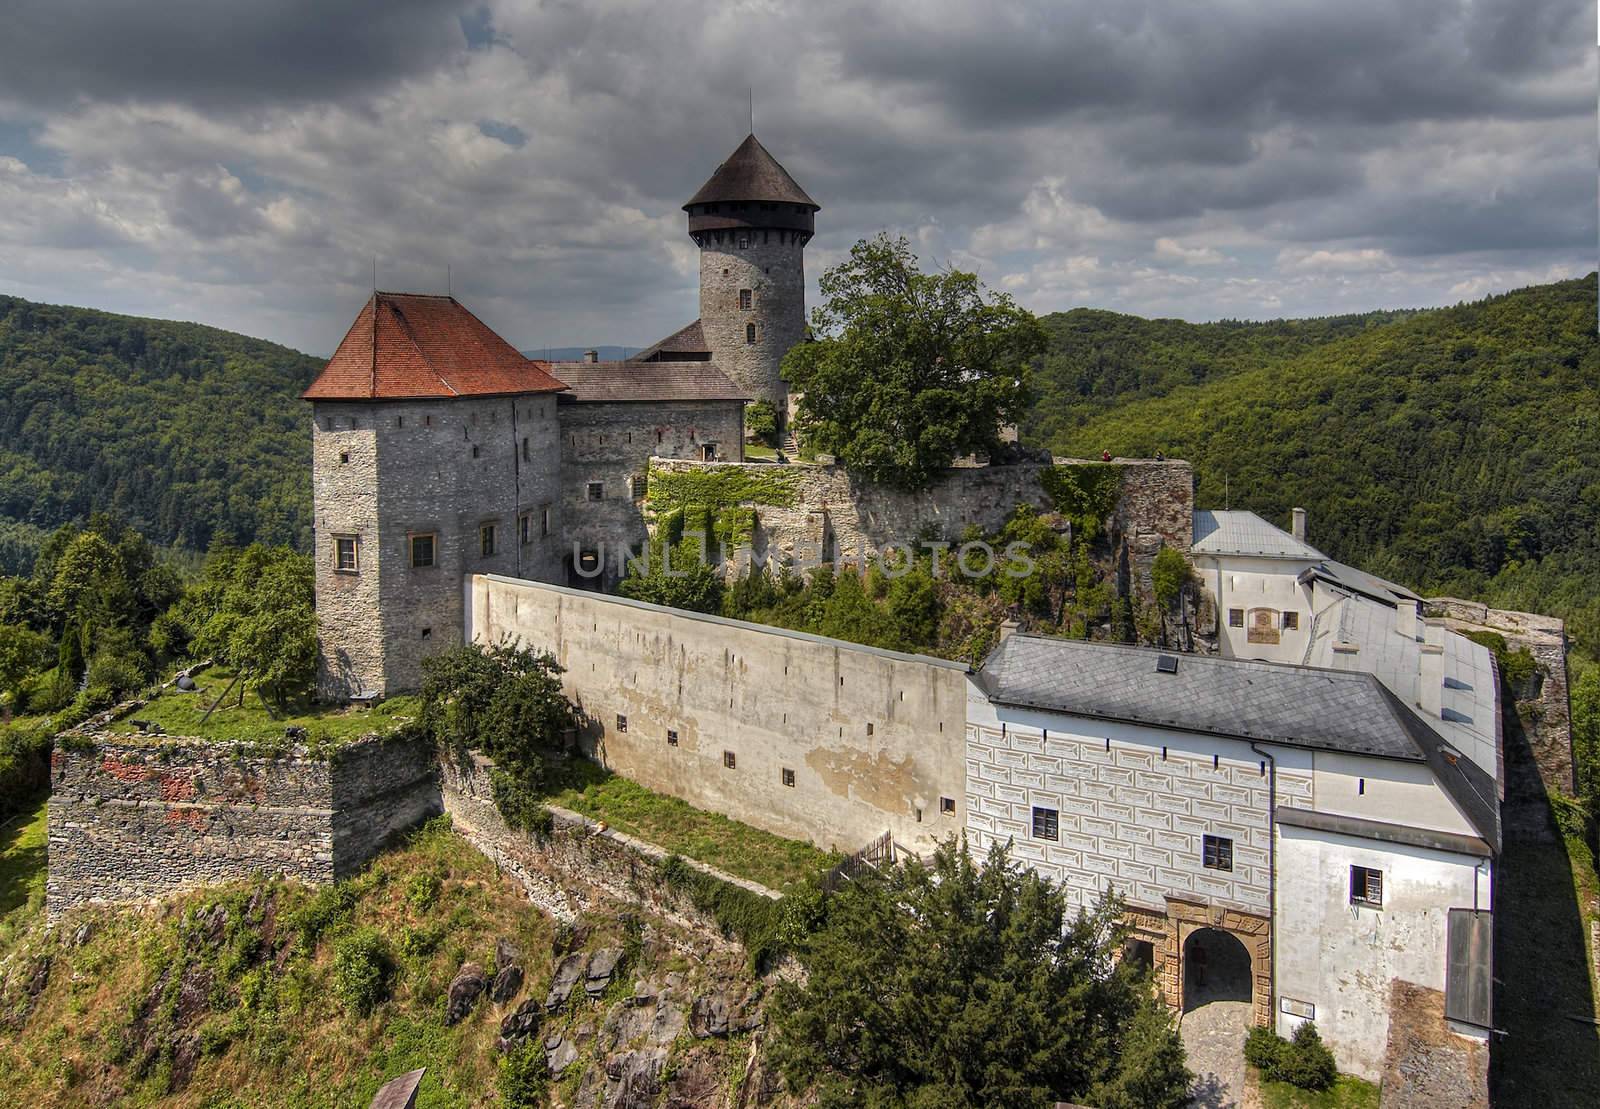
(1453,450)
(186,432)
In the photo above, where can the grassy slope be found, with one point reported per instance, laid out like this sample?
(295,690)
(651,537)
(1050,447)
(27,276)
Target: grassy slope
(264,1027)
(180,714)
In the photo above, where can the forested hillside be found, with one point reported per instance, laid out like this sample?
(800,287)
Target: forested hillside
(1452,450)
(188,433)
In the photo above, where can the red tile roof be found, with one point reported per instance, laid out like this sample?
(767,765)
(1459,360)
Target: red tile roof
(410,346)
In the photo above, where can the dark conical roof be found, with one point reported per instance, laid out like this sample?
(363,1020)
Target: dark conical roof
(750,173)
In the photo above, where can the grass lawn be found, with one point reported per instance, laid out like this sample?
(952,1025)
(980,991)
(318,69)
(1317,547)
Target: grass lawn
(760,450)
(1348,1092)
(22,857)
(682,829)
(179,714)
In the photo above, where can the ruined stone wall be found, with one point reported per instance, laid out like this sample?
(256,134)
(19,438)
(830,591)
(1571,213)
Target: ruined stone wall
(612,444)
(829,741)
(830,509)
(130,821)
(578,866)
(1546,709)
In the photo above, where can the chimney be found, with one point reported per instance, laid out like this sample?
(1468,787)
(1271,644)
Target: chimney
(591,356)
(1430,680)
(1298,527)
(1405,619)
(1007,628)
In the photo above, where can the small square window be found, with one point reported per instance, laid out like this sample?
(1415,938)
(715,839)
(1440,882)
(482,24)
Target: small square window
(597,491)
(947,806)
(344,458)
(1236,618)
(1217,852)
(746,297)
(622,723)
(486,540)
(729,761)
(422,550)
(708,452)
(347,554)
(788,777)
(1291,621)
(1046,823)
(672,737)
(427,633)
(1366,886)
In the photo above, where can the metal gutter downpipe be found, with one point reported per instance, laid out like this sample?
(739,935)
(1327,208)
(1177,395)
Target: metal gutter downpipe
(1272,885)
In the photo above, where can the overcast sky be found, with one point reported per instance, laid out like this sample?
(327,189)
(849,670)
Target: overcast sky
(241,163)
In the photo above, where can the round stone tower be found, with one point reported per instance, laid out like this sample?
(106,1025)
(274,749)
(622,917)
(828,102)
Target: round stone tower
(751,222)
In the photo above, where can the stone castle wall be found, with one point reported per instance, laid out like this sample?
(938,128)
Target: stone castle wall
(830,509)
(131,821)
(578,866)
(771,264)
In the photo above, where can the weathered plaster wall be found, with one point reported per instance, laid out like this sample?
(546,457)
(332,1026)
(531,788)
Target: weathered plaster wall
(612,444)
(831,510)
(873,738)
(132,821)
(771,264)
(576,868)
(1342,957)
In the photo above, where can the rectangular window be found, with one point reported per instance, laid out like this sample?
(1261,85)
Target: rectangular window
(640,487)
(347,554)
(525,455)
(729,761)
(1236,618)
(422,550)
(525,529)
(544,521)
(1046,823)
(486,540)
(708,452)
(672,737)
(749,333)
(1366,886)
(1291,621)
(788,777)
(475,451)
(622,723)
(947,806)
(746,296)
(344,458)
(1217,852)
(597,491)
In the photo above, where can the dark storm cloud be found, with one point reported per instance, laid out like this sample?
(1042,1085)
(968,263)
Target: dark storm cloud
(1230,157)
(218,54)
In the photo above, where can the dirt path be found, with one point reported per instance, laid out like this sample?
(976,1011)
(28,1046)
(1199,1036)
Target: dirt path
(1213,1036)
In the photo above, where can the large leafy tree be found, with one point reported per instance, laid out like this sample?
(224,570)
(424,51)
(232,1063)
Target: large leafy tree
(910,370)
(959,985)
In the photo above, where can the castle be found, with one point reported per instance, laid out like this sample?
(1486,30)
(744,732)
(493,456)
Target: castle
(1310,808)
(438,450)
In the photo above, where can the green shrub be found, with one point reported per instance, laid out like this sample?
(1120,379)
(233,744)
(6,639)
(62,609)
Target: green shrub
(24,766)
(423,890)
(331,905)
(361,970)
(523,1076)
(1304,1061)
(750,918)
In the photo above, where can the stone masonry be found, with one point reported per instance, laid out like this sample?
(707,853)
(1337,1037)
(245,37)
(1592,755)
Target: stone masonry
(771,265)
(130,821)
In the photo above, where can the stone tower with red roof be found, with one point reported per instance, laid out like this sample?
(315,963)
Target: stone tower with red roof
(752,221)
(435,453)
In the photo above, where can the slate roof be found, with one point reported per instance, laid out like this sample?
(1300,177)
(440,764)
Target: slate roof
(750,173)
(1470,699)
(599,382)
(1217,531)
(406,346)
(1359,581)
(1296,706)
(685,340)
